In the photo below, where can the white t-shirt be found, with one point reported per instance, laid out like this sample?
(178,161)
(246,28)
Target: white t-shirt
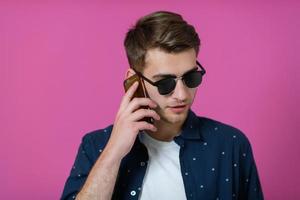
(163,178)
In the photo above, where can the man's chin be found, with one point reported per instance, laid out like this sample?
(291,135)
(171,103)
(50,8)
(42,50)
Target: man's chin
(174,118)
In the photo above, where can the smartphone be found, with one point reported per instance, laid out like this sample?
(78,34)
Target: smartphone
(140,92)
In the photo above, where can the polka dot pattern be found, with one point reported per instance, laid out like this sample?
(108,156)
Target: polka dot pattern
(211,154)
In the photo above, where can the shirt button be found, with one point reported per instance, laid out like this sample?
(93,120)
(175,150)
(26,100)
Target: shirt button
(142,164)
(132,193)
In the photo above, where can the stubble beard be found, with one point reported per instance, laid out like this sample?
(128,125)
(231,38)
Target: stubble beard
(169,117)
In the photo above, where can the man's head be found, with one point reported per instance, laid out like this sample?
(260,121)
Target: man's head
(165,30)
(163,43)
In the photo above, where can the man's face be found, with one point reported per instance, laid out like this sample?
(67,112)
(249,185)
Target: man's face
(177,64)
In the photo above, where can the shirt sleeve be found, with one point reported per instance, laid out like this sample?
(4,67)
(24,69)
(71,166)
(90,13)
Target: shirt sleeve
(250,183)
(79,172)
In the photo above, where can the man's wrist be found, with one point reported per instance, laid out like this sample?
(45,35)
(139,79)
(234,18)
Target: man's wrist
(110,157)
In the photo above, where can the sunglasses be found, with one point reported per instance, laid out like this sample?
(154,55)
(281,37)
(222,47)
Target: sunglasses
(191,79)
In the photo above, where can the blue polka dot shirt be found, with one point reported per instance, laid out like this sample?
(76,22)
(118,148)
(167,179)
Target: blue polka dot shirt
(216,163)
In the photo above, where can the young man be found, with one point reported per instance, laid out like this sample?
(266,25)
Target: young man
(180,155)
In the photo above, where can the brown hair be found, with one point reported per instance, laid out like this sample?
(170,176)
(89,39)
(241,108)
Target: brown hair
(165,30)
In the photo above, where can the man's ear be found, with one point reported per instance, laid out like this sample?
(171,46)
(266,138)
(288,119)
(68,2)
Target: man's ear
(129,73)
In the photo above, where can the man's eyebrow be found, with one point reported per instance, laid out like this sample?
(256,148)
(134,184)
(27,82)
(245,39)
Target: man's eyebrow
(171,75)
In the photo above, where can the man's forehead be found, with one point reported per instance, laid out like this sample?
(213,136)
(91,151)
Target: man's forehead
(159,62)
(165,70)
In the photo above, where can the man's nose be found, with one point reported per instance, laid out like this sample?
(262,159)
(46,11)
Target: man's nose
(180,91)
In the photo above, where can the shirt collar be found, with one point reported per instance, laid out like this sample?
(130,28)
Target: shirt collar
(191,127)
(190,130)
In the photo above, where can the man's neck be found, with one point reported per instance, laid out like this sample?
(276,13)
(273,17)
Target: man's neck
(165,130)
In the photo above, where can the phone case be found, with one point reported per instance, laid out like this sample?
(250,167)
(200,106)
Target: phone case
(140,92)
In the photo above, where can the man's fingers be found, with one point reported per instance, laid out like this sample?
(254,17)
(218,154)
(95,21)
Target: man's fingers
(128,95)
(145,126)
(141,113)
(138,102)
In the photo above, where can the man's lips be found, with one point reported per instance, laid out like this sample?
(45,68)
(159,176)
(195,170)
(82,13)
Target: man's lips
(178,106)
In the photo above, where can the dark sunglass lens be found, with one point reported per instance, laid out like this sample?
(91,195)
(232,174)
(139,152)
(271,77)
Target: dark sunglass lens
(166,86)
(193,79)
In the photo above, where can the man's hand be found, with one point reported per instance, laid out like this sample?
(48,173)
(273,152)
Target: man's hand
(101,180)
(127,124)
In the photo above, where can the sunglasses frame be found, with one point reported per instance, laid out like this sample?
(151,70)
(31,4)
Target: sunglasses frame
(203,71)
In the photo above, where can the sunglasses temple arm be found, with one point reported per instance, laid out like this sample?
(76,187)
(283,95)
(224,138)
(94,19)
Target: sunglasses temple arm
(202,68)
(146,79)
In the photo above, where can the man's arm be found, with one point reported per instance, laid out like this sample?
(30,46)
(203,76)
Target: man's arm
(101,180)
(251,188)
(102,177)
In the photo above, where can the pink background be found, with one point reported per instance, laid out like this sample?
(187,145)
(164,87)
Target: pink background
(56,60)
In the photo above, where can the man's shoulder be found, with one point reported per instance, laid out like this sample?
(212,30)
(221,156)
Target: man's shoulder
(98,137)
(214,130)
